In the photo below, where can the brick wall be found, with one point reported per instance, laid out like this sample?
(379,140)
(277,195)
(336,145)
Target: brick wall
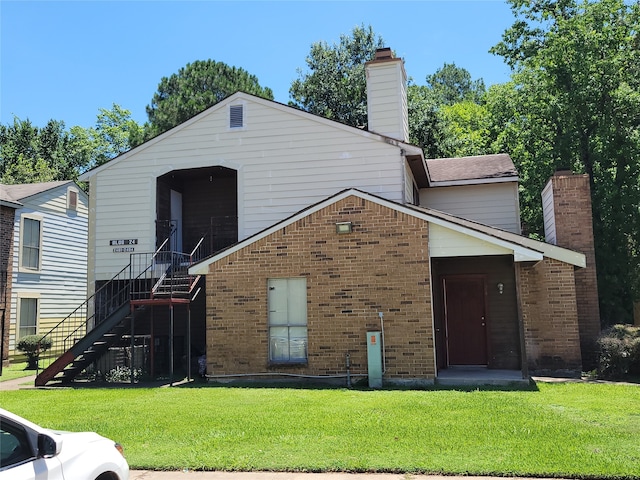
(550,319)
(7,216)
(382,265)
(574,230)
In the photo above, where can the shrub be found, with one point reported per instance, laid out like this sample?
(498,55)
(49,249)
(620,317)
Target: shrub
(32,346)
(122,374)
(619,352)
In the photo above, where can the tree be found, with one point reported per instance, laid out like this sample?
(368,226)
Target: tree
(30,154)
(465,129)
(578,105)
(196,87)
(114,133)
(453,84)
(446,116)
(335,86)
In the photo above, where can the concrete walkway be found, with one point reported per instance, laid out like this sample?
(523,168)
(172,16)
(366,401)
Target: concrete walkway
(190,475)
(18,383)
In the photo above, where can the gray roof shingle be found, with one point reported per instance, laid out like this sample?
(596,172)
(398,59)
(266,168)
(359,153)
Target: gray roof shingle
(463,169)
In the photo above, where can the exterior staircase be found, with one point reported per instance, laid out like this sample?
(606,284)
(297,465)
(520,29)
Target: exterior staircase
(101,321)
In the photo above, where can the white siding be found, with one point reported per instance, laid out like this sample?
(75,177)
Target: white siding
(494,204)
(387,99)
(549,215)
(444,242)
(285,161)
(61,282)
(409,183)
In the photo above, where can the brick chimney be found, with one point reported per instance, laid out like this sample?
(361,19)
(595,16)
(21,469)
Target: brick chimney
(568,223)
(387,111)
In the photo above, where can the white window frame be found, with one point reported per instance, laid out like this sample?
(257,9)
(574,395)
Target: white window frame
(27,296)
(288,322)
(21,260)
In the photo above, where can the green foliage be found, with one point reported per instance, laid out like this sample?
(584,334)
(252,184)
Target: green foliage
(563,430)
(576,104)
(452,85)
(425,129)
(465,129)
(115,133)
(447,117)
(32,346)
(122,374)
(619,352)
(196,87)
(335,86)
(29,154)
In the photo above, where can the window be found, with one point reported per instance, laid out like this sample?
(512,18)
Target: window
(27,316)
(287,300)
(236,116)
(72,199)
(30,243)
(14,444)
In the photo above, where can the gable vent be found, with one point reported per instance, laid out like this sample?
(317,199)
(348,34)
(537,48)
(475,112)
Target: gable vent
(236,116)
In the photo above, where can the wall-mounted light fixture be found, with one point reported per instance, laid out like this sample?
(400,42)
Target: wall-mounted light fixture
(343,227)
(500,288)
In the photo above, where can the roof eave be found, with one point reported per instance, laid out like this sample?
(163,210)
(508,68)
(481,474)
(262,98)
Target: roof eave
(532,252)
(474,181)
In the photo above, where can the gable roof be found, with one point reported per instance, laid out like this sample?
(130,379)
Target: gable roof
(411,151)
(15,193)
(471,170)
(524,249)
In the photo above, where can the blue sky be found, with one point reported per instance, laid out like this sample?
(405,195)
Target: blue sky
(66,60)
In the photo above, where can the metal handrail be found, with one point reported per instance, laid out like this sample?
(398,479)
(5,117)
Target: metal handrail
(75,325)
(107,299)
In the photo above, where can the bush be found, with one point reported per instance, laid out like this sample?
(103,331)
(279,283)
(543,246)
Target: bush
(619,352)
(123,374)
(32,346)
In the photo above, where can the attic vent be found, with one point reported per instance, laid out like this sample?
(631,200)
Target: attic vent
(236,116)
(72,199)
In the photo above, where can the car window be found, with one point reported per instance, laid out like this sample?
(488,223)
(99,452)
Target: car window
(14,445)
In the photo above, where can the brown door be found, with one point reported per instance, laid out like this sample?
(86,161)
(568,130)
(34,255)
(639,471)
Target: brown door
(465,319)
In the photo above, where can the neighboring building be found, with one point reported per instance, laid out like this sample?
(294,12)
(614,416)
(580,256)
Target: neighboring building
(7,217)
(44,256)
(301,234)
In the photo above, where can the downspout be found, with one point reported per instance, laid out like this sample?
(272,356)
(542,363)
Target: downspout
(403,162)
(384,361)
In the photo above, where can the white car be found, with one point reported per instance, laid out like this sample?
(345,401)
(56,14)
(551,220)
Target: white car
(28,452)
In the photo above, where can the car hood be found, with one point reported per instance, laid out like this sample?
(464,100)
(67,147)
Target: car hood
(75,442)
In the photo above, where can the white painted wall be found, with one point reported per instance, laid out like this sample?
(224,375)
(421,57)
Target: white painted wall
(549,215)
(387,105)
(61,283)
(444,242)
(286,160)
(494,204)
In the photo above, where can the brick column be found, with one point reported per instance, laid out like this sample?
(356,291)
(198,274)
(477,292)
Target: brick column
(7,216)
(569,224)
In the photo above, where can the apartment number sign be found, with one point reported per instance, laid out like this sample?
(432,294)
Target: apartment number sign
(123,245)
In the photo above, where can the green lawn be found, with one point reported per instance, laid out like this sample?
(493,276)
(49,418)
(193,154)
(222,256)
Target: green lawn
(15,370)
(564,429)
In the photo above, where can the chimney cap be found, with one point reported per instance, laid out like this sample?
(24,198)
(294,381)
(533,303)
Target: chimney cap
(383,53)
(563,171)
